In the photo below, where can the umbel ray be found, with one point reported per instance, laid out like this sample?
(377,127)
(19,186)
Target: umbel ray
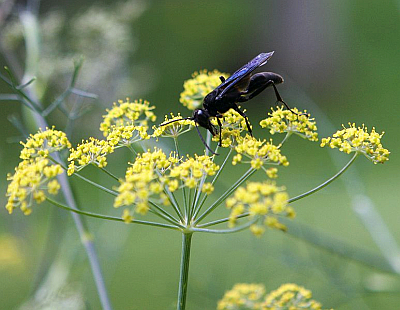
(241,86)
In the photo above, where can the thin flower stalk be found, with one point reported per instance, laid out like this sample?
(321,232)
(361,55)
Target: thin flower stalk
(108,217)
(327,182)
(228,192)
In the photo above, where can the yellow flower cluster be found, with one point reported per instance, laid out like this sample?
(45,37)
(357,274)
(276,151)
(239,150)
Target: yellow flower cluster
(190,171)
(43,143)
(173,129)
(282,120)
(259,152)
(153,173)
(124,113)
(243,296)
(127,135)
(290,296)
(91,151)
(357,139)
(264,200)
(31,181)
(196,88)
(232,126)
(252,297)
(144,179)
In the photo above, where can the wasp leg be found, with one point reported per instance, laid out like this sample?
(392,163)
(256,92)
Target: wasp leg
(261,81)
(236,108)
(204,142)
(220,128)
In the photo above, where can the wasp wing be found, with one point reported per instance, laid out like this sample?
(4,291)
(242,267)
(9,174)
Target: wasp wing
(244,72)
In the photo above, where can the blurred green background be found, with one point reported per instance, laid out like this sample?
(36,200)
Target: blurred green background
(340,61)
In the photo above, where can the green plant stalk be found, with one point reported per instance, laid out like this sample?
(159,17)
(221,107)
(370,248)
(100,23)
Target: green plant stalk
(225,195)
(327,182)
(228,230)
(185,199)
(110,174)
(164,214)
(105,189)
(31,32)
(198,206)
(220,221)
(110,218)
(184,270)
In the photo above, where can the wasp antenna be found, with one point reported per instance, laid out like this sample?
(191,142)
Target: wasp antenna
(176,120)
(204,142)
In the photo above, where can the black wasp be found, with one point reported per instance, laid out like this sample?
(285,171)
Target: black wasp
(241,86)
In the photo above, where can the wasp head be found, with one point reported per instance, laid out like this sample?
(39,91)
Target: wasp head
(202,118)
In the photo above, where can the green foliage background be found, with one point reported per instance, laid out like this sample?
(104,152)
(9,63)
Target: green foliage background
(339,59)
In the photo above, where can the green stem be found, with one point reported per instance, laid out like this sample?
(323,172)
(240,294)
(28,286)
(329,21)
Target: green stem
(172,199)
(288,134)
(110,174)
(107,217)
(164,214)
(200,205)
(208,141)
(184,273)
(220,221)
(185,202)
(105,189)
(321,186)
(132,149)
(225,195)
(226,231)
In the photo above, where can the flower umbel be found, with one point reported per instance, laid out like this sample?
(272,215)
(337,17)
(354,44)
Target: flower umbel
(127,135)
(263,200)
(91,151)
(290,296)
(192,169)
(144,181)
(259,152)
(251,296)
(243,296)
(196,88)
(359,140)
(173,129)
(138,112)
(43,143)
(233,124)
(32,180)
(282,120)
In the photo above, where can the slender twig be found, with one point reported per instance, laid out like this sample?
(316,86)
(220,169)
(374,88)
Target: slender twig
(287,136)
(24,98)
(105,189)
(226,231)
(110,173)
(243,178)
(185,201)
(164,214)
(220,221)
(110,218)
(200,205)
(321,186)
